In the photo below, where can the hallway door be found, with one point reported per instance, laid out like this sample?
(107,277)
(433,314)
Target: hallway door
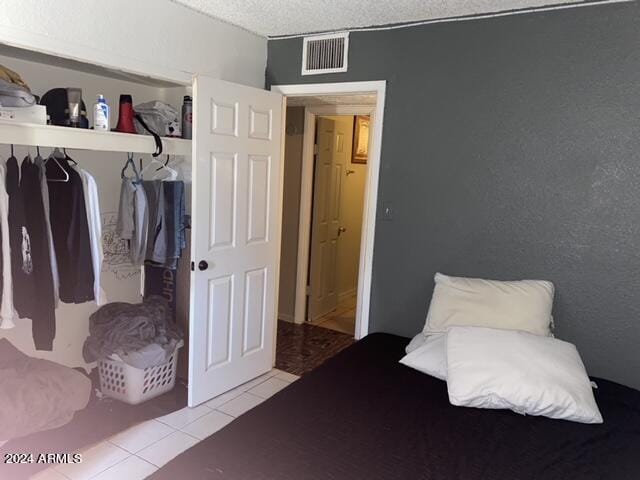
(325,226)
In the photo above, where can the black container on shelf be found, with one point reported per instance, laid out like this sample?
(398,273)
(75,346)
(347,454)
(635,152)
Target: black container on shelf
(187,117)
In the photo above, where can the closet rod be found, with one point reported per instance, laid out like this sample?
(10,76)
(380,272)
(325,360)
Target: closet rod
(81,139)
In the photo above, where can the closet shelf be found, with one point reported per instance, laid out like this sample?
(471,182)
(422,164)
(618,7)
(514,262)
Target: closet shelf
(77,138)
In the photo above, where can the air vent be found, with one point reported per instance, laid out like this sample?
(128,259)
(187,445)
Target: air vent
(325,53)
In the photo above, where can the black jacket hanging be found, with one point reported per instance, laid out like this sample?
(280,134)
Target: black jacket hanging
(33,289)
(70,232)
(19,240)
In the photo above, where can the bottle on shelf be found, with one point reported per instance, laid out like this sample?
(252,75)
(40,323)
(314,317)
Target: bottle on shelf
(187,116)
(101,115)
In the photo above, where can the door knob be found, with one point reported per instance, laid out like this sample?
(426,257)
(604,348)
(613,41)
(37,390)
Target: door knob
(202,265)
(341,230)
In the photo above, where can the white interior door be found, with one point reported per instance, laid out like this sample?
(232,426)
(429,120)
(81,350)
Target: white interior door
(235,235)
(325,225)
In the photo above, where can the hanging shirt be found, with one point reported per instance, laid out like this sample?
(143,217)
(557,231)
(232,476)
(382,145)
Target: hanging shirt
(155,205)
(167,222)
(141,218)
(70,231)
(52,252)
(125,225)
(33,293)
(20,242)
(7,313)
(133,219)
(92,206)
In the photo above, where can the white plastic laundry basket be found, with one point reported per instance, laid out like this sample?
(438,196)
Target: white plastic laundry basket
(135,385)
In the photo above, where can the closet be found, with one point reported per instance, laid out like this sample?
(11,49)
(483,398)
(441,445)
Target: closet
(226,281)
(103,155)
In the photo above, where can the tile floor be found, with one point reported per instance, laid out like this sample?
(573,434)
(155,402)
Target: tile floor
(342,319)
(141,450)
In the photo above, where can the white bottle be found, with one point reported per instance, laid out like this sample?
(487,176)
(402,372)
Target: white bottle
(101,115)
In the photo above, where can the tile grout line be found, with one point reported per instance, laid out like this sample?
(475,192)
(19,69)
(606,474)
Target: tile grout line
(135,454)
(118,463)
(101,471)
(161,438)
(176,430)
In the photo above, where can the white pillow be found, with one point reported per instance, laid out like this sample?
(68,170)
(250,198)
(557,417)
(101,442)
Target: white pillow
(529,374)
(518,305)
(415,342)
(429,358)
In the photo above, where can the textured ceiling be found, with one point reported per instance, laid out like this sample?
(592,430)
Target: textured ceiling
(287,17)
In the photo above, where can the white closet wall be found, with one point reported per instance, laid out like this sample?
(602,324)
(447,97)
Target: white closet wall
(138,35)
(120,282)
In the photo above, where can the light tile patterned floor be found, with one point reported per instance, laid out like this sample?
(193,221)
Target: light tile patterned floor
(141,450)
(342,319)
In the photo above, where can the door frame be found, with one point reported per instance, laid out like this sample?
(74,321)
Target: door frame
(376,111)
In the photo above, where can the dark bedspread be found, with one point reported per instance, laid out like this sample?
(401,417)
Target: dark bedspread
(362,415)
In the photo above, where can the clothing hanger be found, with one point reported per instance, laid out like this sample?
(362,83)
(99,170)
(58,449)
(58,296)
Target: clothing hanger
(68,158)
(173,174)
(133,167)
(166,163)
(13,155)
(63,155)
(161,166)
(29,158)
(57,153)
(57,162)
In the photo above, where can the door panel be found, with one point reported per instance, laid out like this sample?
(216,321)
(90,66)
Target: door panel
(260,124)
(235,230)
(259,170)
(254,308)
(336,190)
(224,118)
(222,199)
(219,316)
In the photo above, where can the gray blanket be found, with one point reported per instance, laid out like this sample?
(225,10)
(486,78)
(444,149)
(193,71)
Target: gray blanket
(142,334)
(37,394)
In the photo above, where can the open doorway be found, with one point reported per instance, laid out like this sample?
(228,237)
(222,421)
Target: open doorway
(340,170)
(331,165)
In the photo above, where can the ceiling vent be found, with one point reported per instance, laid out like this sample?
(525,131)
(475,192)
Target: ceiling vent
(325,53)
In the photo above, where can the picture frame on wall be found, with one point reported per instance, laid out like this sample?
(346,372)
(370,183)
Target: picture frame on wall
(361,127)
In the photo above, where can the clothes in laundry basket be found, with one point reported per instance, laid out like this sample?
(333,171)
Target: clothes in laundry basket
(142,334)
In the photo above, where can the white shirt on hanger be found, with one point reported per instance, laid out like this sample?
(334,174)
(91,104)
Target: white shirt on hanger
(94,219)
(7,312)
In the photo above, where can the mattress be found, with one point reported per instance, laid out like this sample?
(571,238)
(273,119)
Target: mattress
(362,415)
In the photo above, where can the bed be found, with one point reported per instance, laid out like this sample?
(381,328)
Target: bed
(362,415)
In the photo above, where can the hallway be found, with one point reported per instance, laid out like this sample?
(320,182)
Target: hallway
(342,319)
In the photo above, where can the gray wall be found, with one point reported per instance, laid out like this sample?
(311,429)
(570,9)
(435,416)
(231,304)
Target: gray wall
(511,149)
